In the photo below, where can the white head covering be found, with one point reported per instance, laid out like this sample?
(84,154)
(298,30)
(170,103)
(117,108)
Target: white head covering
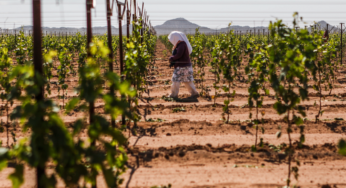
(176,36)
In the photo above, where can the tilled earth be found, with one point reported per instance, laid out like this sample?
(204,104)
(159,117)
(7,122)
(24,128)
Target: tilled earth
(184,143)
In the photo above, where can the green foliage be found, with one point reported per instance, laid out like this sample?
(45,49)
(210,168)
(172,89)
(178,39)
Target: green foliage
(63,69)
(342,147)
(111,160)
(165,41)
(292,53)
(137,58)
(179,109)
(217,60)
(325,64)
(257,71)
(198,58)
(155,120)
(17,177)
(283,61)
(73,158)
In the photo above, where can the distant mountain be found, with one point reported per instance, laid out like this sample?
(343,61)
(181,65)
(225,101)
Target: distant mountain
(179,24)
(323,25)
(186,26)
(244,29)
(68,30)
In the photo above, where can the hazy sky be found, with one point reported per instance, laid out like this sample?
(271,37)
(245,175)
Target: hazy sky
(212,13)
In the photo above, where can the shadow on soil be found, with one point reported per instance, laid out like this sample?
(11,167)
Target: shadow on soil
(187,100)
(334,126)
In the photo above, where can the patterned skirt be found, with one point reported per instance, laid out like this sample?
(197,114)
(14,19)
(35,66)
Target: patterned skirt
(183,74)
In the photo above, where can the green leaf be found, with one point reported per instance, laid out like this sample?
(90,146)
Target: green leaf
(302,138)
(261,144)
(3,158)
(298,121)
(233,94)
(226,102)
(72,104)
(77,127)
(278,134)
(3,151)
(262,130)
(342,147)
(109,177)
(322,111)
(266,91)
(17,177)
(3,164)
(51,182)
(124,88)
(303,93)
(55,109)
(280,108)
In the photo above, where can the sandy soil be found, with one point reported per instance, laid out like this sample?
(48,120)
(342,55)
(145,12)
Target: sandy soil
(194,148)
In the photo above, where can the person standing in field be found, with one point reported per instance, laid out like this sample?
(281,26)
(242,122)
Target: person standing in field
(180,59)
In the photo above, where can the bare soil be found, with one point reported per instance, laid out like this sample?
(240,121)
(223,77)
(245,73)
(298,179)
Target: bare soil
(194,148)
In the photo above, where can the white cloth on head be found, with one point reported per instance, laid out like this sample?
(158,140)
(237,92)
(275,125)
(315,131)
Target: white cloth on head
(176,36)
(189,85)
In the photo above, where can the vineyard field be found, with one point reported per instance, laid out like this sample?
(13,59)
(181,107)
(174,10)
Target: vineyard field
(195,148)
(95,111)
